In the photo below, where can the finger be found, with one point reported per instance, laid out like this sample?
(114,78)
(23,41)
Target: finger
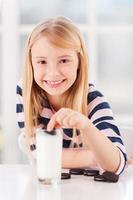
(77,121)
(74,121)
(56,120)
(57,126)
(60,118)
(51,123)
(66,119)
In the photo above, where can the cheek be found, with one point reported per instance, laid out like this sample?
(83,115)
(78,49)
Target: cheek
(71,73)
(37,74)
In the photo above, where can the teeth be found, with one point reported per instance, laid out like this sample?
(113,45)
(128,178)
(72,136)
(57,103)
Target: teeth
(54,82)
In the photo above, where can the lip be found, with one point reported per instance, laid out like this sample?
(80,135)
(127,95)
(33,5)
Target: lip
(55,83)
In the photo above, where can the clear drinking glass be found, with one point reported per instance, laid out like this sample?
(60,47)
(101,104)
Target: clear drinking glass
(49,154)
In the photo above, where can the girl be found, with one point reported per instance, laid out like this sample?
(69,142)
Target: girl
(54,92)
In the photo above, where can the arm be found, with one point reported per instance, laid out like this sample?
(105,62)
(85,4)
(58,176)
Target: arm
(101,116)
(76,158)
(19,107)
(103,152)
(106,153)
(20,118)
(100,133)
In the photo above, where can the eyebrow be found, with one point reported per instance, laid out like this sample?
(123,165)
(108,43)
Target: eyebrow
(65,56)
(40,57)
(43,57)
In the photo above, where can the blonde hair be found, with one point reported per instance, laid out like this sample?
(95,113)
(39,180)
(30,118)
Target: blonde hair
(62,33)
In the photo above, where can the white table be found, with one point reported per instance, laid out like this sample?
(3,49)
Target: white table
(18,182)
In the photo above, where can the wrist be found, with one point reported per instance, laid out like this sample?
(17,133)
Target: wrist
(87,126)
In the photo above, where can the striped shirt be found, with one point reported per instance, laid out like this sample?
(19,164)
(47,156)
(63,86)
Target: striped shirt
(99,113)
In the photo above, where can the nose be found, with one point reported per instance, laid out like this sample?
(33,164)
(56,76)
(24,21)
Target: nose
(52,70)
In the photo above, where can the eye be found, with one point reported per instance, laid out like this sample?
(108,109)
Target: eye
(42,62)
(64,61)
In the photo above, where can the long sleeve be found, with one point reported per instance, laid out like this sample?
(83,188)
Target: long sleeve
(100,113)
(21,124)
(19,106)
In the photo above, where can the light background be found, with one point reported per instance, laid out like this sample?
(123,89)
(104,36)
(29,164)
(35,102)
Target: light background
(108,30)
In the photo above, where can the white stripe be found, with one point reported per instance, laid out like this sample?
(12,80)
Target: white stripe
(122,147)
(110,133)
(20,83)
(19,99)
(20,117)
(91,88)
(101,113)
(65,137)
(111,121)
(47,113)
(93,104)
(122,163)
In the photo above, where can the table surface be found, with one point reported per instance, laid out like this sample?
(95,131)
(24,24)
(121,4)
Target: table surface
(18,182)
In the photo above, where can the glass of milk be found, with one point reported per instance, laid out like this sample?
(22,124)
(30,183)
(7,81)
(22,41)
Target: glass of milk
(49,154)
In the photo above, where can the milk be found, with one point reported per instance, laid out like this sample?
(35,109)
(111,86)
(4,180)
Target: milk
(49,153)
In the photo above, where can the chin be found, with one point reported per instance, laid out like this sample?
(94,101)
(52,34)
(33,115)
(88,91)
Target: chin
(56,92)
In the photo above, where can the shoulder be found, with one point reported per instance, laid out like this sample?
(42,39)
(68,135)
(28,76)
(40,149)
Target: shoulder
(19,88)
(93,93)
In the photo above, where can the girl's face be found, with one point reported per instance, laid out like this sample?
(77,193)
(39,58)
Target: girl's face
(55,69)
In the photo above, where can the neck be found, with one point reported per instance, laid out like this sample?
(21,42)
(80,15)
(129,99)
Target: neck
(54,101)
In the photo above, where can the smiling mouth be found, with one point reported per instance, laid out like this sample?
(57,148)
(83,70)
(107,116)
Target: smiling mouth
(54,84)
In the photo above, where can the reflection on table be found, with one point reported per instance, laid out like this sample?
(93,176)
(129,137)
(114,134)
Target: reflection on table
(19,182)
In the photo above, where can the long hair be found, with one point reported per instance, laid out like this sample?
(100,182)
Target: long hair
(62,33)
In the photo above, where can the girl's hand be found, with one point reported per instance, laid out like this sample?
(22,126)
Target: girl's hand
(68,118)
